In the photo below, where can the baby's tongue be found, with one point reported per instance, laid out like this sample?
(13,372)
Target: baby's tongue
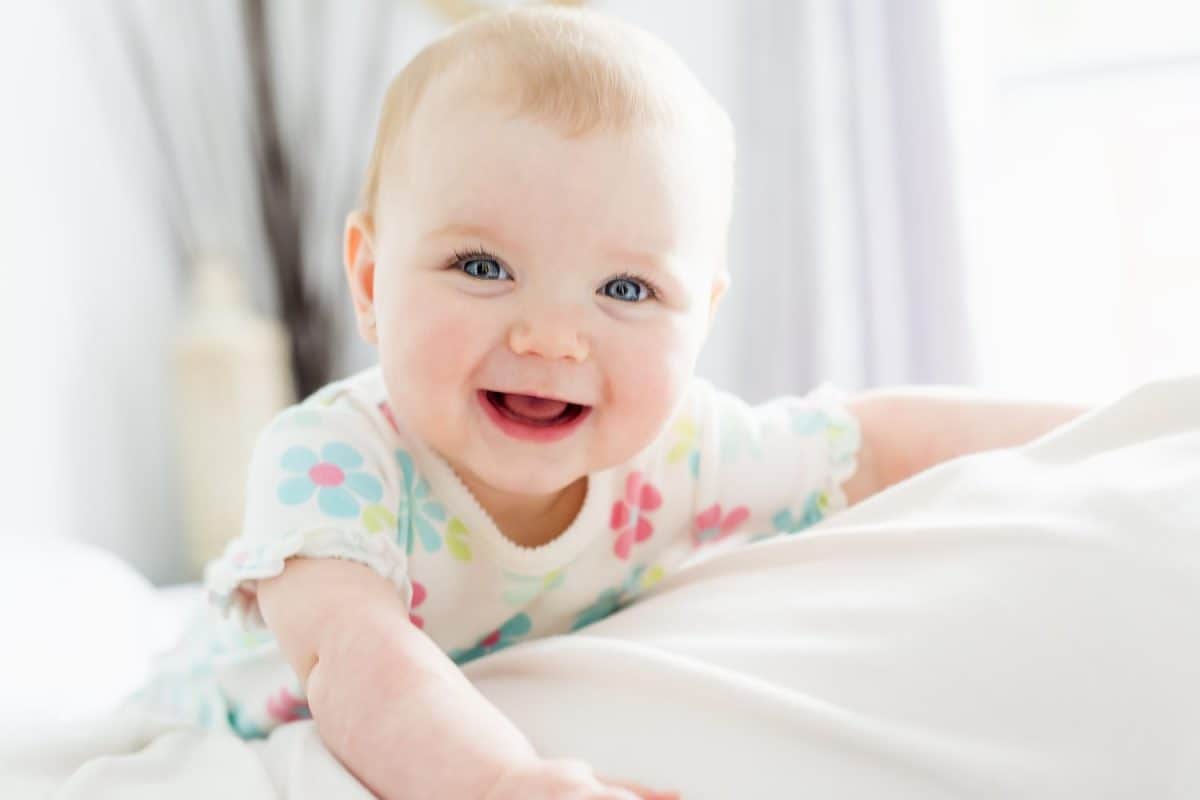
(539,408)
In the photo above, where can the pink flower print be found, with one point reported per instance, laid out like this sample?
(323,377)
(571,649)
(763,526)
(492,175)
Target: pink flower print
(286,707)
(627,519)
(418,597)
(386,410)
(510,632)
(712,527)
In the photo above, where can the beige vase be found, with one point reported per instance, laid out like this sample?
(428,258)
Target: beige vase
(231,376)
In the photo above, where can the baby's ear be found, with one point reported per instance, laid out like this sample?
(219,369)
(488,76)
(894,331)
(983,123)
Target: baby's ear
(358,255)
(720,284)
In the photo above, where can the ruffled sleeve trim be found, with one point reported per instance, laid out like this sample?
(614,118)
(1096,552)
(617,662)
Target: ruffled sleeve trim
(843,437)
(232,580)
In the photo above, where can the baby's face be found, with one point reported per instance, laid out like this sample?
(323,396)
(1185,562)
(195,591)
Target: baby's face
(511,261)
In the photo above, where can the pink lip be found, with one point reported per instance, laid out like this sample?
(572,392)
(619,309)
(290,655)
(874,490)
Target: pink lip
(530,433)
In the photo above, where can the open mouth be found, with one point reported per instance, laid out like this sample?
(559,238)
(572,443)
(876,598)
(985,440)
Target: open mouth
(538,412)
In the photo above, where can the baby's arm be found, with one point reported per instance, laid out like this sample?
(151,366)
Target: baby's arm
(390,705)
(386,701)
(905,431)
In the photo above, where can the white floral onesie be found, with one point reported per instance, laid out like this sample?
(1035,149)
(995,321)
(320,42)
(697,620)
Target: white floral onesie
(339,476)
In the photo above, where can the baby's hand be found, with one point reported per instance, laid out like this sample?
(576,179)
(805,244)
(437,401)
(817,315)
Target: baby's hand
(567,779)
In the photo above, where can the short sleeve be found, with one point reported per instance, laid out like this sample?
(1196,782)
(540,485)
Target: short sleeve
(772,468)
(321,483)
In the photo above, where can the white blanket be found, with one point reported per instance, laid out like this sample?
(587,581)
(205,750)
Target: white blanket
(1013,624)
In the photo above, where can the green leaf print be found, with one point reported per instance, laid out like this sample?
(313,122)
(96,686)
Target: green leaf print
(520,589)
(376,518)
(456,532)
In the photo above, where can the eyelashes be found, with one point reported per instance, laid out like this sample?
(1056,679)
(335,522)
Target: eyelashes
(476,255)
(652,292)
(462,257)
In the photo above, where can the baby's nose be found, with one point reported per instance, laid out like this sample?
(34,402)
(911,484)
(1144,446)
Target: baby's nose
(551,336)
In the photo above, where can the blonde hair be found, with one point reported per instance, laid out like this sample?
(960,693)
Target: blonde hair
(576,70)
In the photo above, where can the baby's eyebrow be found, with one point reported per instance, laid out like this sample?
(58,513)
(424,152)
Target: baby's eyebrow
(469,230)
(644,261)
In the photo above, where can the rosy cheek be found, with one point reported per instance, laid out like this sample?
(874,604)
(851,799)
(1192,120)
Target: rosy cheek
(445,337)
(650,372)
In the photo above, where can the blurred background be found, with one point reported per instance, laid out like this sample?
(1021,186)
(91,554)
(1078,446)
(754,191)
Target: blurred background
(996,194)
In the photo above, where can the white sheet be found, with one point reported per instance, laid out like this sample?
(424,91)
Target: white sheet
(65,604)
(1014,624)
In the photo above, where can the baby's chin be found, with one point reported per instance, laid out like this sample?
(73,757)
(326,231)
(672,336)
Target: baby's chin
(508,495)
(514,476)
(533,488)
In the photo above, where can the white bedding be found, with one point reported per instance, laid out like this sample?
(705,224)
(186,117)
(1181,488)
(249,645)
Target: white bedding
(1013,624)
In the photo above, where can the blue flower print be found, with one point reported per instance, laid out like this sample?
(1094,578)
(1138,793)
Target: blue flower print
(243,726)
(808,421)
(334,477)
(842,434)
(612,599)
(508,633)
(416,509)
(815,509)
(608,602)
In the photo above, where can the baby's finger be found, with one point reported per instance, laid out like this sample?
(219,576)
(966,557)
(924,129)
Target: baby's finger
(641,791)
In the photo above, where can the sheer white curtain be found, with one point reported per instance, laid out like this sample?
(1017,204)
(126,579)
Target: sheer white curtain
(132,159)
(103,249)
(845,250)
(88,296)
(332,62)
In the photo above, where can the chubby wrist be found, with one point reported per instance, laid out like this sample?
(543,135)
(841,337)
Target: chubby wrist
(543,778)
(455,743)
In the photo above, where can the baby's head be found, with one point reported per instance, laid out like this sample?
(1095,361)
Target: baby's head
(545,214)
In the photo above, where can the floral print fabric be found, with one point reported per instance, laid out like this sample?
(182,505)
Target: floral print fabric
(338,476)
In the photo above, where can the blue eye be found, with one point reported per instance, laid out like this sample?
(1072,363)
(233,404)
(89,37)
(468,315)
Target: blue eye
(483,268)
(628,289)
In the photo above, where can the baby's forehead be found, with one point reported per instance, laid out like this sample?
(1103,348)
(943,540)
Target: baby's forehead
(465,162)
(467,131)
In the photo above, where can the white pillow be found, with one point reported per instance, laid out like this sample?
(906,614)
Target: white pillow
(79,628)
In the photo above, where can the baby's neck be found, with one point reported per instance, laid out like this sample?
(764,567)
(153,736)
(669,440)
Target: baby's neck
(531,521)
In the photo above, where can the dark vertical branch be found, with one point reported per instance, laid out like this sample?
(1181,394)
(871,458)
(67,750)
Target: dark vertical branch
(304,315)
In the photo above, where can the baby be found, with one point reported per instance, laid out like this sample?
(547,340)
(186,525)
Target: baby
(538,256)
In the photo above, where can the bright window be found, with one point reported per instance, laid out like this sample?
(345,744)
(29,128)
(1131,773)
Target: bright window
(1078,154)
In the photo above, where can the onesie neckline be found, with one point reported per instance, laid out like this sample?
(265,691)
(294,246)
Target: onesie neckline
(448,486)
(522,560)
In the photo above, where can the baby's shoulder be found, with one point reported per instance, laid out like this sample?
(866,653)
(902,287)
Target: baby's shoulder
(353,410)
(710,418)
(679,439)
(700,408)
